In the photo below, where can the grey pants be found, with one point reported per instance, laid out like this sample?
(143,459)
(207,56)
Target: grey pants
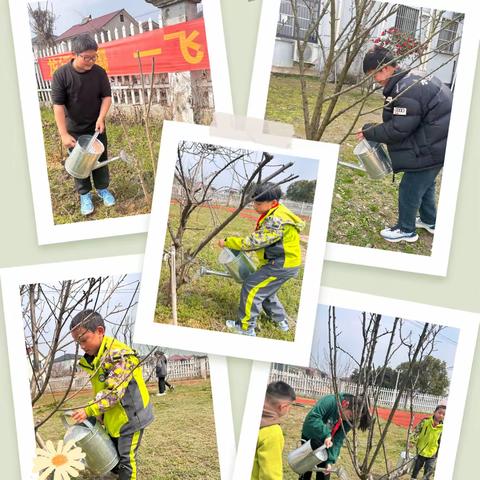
(127,446)
(259,291)
(428,465)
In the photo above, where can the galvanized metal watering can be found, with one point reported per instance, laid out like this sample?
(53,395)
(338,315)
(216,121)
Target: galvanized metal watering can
(373,159)
(83,158)
(237,264)
(305,458)
(100,452)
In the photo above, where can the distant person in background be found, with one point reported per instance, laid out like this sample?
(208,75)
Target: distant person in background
(268,462)
(416,118)
(82,96)
(161,372)
(328,422)
(426,438)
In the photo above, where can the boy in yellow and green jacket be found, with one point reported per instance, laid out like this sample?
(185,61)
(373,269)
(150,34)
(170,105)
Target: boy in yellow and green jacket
(276,241)
(426,437)
(268,461)
(121,396)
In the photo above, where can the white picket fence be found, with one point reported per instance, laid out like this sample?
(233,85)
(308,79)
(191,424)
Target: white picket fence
(312,386)
(195,367)
(232,199)
(128,89)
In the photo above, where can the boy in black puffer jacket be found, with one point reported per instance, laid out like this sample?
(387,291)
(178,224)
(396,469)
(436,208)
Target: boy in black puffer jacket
(416,118)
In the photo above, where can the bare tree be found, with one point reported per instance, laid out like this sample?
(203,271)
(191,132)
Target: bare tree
(365,448)
(47,312)
(342,43)
(200,174)
(42,22)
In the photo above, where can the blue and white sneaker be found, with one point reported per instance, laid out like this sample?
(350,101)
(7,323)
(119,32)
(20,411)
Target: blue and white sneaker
(283,326)
(86,204)
(394,234)
(107,197)
(428,227)
(237,327)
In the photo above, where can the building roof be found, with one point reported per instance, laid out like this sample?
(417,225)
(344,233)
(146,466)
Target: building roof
(65,357)
(90,26)
(177,358)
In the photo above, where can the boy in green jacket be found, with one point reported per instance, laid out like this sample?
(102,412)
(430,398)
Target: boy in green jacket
(426,438)
(268,462)
(276,241)
(121,397)
(328,422)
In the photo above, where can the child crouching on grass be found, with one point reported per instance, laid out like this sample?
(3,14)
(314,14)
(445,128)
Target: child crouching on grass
(268,462)
(276,240)
(121,396)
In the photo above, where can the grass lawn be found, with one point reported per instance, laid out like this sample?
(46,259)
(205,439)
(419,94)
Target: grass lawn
(292,427)
(361,206)
(124,181)
(180,443)
(207,301)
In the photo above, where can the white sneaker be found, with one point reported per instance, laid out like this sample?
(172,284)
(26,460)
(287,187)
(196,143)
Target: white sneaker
(428,227)
(237,328)
(160,394)
(394,234)
(283,326)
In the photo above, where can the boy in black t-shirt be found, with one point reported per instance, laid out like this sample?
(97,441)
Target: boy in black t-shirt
(81,97)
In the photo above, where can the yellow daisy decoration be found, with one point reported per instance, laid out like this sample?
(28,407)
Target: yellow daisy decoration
(63,462)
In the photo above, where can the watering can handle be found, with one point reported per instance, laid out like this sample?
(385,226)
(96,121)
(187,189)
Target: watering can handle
(85,422)
(92,140)
(88,424)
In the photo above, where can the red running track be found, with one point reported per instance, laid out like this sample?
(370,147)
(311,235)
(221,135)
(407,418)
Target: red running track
(401,418)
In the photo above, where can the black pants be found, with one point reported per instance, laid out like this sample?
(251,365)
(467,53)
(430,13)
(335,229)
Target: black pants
(416,194)
(127,447)
(428,465)
(161,384)
(101,176)
(320,475)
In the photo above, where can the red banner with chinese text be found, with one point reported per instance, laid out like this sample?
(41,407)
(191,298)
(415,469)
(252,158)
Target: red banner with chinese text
(176,48)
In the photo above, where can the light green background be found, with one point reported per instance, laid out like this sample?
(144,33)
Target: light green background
(19,246)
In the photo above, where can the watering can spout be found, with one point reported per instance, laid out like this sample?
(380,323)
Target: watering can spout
(122,156)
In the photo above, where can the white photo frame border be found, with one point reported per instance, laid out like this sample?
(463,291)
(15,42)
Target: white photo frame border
(47,231)
(12,278)
(225,343)
(437,262)
(466,322)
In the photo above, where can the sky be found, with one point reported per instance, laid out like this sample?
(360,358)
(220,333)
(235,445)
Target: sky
(349,325)
(71,12)
(125,294)
(305,168)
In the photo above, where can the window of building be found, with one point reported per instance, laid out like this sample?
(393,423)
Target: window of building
(308,12)
(122,18)
(447,35)
(407,19)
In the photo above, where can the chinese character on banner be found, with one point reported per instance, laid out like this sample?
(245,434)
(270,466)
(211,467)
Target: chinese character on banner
(187,43)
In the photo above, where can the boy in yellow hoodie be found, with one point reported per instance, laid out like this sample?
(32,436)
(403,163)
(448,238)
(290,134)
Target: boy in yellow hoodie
(268,462)
(121,398)
(426,438)
(276,241)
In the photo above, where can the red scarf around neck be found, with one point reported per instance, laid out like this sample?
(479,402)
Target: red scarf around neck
(263,215)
